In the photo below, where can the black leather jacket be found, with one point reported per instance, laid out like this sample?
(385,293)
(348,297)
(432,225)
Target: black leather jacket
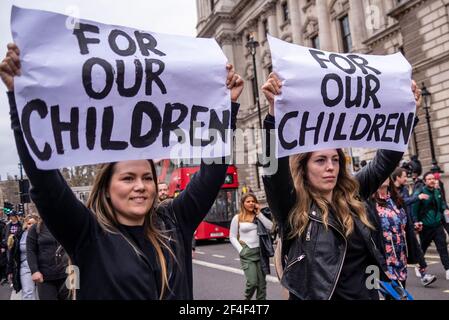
(313,262)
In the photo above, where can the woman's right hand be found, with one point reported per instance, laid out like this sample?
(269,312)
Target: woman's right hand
(37,277)
(10,66)
(271,88)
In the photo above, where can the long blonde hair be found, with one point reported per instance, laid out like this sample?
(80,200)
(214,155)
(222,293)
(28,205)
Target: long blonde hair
(106,216)
(345,200)
(244,215)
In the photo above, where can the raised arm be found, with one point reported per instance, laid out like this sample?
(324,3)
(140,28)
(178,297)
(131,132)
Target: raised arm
(265,221)
(377,171)
(193,204)
(279,186)
(66,217)
(372,176)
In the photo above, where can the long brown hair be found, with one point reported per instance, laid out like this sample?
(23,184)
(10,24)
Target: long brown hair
(345,200)
(106,216)
(394,194)
(245,215)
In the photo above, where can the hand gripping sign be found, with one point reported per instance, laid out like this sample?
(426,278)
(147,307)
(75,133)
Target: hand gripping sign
(100,93)
(332,100)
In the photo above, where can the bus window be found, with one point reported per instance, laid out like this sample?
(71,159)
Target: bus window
(224,207)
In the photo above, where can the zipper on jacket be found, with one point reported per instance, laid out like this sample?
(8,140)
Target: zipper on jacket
(342,261)
(309,230)
(294,261)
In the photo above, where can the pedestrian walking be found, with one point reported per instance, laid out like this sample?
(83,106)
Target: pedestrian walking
(124,244)
(246,239)
(3,253)
(326,232)
(429,214)
(48,272)
(399,178)
(396,233)
(19,272)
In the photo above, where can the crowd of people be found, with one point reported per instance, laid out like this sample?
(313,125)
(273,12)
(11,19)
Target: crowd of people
(132,241)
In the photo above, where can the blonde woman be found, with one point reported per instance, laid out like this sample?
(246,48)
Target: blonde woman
(245,238)
(19,272)
(328,245)
(123,245)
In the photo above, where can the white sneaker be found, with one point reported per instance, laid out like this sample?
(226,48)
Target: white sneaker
(428,279)
(417,272)
(447,274)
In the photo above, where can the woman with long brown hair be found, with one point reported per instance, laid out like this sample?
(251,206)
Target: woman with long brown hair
(244,237)
(327,242)
(396,231)
(123,245)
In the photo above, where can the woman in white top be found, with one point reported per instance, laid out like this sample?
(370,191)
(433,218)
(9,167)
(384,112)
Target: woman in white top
(244,238)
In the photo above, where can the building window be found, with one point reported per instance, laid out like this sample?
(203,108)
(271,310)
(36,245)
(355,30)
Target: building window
(212,5)
(265,27)
(346,34)
(285,11)
(315,42)
(270,69)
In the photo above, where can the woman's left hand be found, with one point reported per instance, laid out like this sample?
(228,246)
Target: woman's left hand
(256,209)
(234,82)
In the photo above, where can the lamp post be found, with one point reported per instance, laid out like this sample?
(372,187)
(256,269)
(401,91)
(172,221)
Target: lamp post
(426,97)
(252,44)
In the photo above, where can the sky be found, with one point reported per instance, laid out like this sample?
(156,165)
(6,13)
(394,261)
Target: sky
(163,16)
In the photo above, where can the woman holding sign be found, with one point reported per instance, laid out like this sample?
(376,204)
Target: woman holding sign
(328,251)
(122,244)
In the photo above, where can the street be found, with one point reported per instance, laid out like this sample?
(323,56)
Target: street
(217,276)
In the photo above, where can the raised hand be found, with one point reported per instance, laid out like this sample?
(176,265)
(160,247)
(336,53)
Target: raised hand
(10,66)
(271,88)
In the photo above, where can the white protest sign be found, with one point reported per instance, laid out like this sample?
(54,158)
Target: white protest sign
(331,100)
(101,93)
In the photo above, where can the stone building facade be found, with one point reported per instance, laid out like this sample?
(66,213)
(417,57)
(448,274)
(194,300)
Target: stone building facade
(417,28)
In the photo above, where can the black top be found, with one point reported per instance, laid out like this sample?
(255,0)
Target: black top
(351,284)
(137,236)
(108,265)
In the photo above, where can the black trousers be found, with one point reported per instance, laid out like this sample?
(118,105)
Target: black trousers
(420,255)
(53,290)
(437,235)
(446,226)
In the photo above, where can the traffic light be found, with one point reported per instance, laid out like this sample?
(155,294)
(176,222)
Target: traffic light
(24,187)
(20,210)
(8,207)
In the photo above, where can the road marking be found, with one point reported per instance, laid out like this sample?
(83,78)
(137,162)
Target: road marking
(218,256)
(229,269)
(199,252)
(446,291)
(237,259)
(271,264)
(429,256)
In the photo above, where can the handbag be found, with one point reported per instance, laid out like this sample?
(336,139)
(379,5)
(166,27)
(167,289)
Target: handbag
(395,290)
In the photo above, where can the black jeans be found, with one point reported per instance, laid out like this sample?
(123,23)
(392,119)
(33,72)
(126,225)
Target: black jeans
(420,254)
(53,290)
(437,235)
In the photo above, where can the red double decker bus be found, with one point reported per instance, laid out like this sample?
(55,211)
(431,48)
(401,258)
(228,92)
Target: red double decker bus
(218,220)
